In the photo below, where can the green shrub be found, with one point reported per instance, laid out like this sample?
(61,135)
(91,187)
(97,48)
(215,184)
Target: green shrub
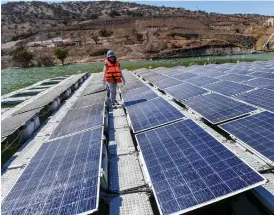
(61,54)
(105,33)
(22,57)
(139,36)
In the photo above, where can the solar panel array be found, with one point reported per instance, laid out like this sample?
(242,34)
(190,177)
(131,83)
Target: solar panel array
(48,97)
(189,169)
(257,131)
(235,81)
(27,112)
(63,176)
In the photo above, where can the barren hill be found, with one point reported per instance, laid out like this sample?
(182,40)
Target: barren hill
(136,31)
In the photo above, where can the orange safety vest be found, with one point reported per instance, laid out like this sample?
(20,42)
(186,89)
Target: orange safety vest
(113,73)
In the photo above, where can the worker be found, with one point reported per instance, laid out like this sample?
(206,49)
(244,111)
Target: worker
(112,76)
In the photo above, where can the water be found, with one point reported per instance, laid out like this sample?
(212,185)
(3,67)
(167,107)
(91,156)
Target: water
(13,79)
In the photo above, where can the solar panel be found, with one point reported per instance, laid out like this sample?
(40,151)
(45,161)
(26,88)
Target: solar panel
(214,73)
(93,88)
(90,100)
(228,88)
(80,119)
(152,113)
(141,71)
(240,71)
(49,96)
(11,124)
(216,108)
(260,82)
(184,76)
(189,169)
(62,178)
(138,95)
(202,80)
(257,131)
(262,75)
(156,77)
(185,91)
(148,73)
(169,82)
(262,98)
(132,85)
(263,69)
(235,77)
(175,72)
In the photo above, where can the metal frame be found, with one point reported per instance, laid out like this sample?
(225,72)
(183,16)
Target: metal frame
(257,153)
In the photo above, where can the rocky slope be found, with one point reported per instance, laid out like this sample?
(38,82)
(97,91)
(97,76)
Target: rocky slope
(138,31)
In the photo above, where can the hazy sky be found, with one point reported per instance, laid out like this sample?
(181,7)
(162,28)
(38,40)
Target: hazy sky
(227,7)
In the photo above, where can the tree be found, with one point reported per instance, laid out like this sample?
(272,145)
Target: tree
(61,54)
(95,38)
(44,59)
(22,56)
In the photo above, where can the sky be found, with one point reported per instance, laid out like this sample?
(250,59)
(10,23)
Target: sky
(226,7)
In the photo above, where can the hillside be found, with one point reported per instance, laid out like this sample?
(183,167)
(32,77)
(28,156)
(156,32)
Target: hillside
(138,31)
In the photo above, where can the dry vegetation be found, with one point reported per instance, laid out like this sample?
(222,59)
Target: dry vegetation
(134,31)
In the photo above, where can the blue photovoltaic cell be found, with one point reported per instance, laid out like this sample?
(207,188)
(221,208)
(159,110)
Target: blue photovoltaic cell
(80,119)
(184,76)
(235,77)
(260,82)
(228,88)
(257,131)
(262,98)
(185,91)
(189,168)
(62,178)
(169,82)
(270,87)
(152,113)
(216,108)
(262,75)
(202,80)
(138,95)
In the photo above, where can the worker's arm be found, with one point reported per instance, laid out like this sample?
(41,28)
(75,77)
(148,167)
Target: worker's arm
(104,70)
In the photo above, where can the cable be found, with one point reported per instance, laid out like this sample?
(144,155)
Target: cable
(128,191)
(8,147)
